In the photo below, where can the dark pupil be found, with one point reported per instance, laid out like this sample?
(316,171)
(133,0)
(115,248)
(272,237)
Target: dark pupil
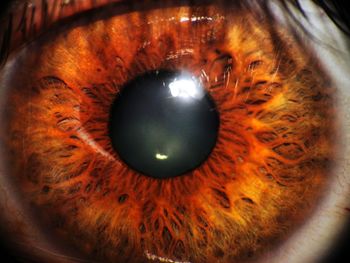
(163,132)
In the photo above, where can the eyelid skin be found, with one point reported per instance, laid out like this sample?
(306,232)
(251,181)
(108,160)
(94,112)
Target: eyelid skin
(331,210)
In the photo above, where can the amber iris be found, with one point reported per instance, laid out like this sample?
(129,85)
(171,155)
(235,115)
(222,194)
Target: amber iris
(268,168)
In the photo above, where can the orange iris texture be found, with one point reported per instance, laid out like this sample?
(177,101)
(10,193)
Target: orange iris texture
(269,167)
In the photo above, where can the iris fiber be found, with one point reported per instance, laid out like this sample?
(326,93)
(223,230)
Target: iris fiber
(268,169)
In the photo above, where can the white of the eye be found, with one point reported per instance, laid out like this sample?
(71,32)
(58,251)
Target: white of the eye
(314,240)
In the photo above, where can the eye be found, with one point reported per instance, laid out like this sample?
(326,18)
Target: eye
(267,143)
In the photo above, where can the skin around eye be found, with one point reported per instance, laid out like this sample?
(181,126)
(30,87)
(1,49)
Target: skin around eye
(270,167)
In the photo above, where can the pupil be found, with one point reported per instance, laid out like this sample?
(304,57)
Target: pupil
(163,124)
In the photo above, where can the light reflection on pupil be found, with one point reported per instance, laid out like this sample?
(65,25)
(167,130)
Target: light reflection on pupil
(163,124)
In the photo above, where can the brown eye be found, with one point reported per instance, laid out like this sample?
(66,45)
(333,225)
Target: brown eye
(122,167)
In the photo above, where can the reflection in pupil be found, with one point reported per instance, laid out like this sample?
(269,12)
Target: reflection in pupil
(163,124)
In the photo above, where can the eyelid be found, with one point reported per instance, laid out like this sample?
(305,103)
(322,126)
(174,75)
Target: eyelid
(25,20)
